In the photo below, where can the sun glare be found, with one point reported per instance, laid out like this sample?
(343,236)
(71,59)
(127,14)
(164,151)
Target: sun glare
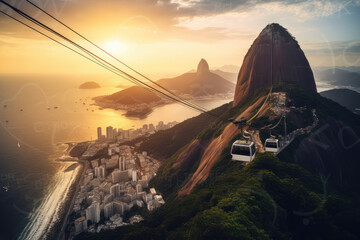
(114,47)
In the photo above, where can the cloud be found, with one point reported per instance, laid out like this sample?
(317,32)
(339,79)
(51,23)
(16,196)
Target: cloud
(7,44)
(154,20)
(339,53)
(333,48)
(353,47)
(299,7)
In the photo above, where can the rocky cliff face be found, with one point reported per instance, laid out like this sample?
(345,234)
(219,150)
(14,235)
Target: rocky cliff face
(201,83)
(274,57)
(203,67)
(210,153)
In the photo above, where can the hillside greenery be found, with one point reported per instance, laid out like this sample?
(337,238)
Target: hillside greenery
(267,199)
(270,198)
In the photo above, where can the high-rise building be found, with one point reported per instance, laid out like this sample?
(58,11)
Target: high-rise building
(100,172)
(109,132)
(80,225)
(93,212)
(122,163)
(95,163)
(126,134)
(109,197)
(115,190)
(134,176)
(152,191)
(131,134)
(119,176)
(120,207)
(109,210)
(138,188)
(99,135)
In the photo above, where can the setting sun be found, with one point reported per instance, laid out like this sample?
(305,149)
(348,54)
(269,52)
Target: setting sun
(114,47)
(186,119)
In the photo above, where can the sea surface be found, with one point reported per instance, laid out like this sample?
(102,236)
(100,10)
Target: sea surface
(37,115)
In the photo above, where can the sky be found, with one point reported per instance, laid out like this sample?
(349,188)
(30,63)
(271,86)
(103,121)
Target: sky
(164,38)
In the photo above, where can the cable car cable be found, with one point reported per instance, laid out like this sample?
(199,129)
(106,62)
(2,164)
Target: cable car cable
(123,63)
(89,52)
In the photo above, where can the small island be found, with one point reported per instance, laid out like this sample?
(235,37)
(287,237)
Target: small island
(89,85)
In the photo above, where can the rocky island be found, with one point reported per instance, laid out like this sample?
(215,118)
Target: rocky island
(89,85)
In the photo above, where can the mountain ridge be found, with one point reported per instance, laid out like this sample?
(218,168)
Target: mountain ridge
(199,84)
(274,57)
(345,97)
(311,190)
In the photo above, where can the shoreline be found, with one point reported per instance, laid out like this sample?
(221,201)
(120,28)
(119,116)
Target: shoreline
(56,227)
(64,207)
(49,227)
(73,189)
(144,109)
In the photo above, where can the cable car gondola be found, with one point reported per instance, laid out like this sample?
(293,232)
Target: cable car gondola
(243,151)
(272,145)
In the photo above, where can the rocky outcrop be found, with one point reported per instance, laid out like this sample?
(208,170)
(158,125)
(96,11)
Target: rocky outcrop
(201,83)
(89,85)
(203,67)
(274,57)
(213,150)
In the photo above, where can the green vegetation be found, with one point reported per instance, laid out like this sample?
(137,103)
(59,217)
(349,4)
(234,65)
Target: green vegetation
(270,198)
(78,149)
(165,144)
(217,127)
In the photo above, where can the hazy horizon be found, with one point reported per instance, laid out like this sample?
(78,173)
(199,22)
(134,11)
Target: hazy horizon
(168,38)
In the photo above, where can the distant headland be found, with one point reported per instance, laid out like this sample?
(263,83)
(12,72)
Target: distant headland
(89,85)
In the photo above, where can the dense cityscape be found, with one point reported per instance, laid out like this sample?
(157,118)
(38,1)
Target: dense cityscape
(113,186)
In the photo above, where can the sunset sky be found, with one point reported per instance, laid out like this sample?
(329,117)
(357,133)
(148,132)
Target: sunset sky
(163,38)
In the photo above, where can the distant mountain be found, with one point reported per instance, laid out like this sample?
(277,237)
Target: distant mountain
(199,83)
(345,97)
(311,190)
(229,68)
(138,102)
(346,68)
(132,96)
(338,77)
(274,57)
(123,86)
(89,85)
(230,76)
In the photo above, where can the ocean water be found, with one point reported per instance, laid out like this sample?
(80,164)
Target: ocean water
(37,115)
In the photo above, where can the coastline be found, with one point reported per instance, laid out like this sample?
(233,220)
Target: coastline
(46,221)
(142,110)
(58,226)
(70,198)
